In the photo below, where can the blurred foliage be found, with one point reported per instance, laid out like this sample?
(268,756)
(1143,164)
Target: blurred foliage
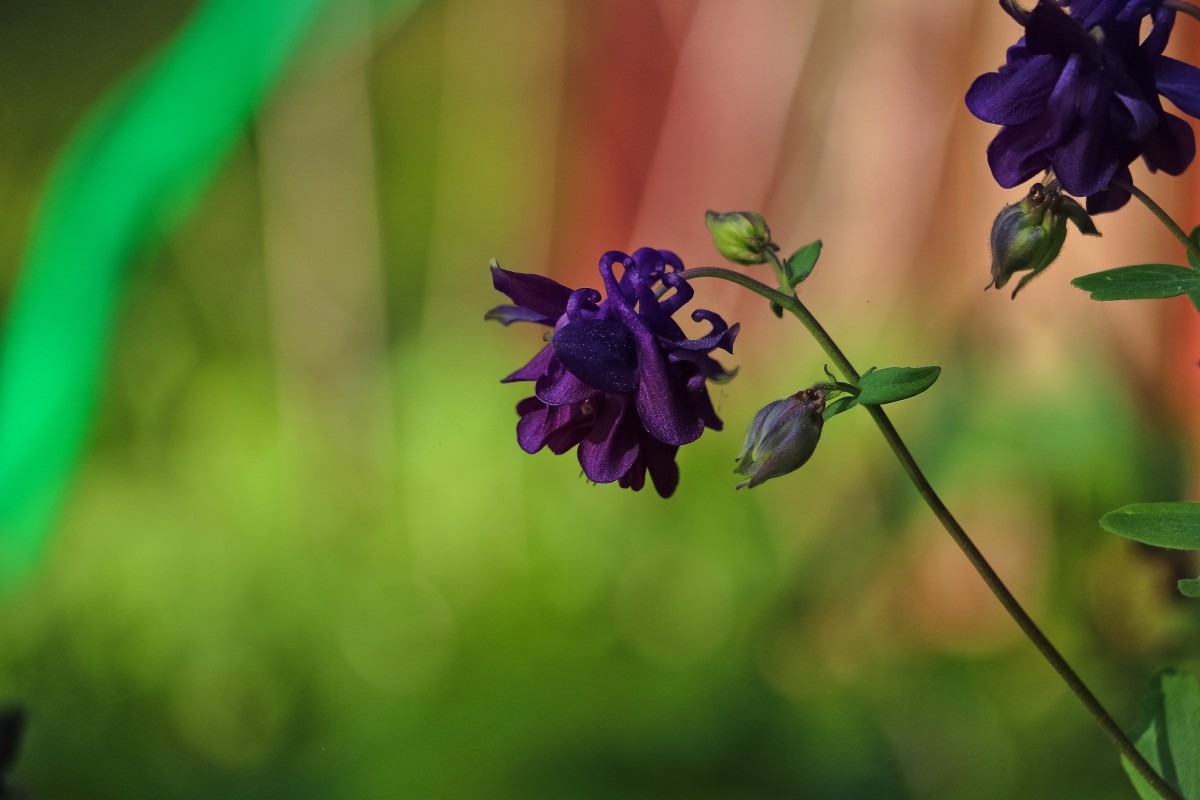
(135,165)
(244,600)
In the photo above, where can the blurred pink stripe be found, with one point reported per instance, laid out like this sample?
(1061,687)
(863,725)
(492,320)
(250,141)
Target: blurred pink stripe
(726,114)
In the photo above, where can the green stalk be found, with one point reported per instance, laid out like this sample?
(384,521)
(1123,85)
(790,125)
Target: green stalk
(1192,249)
(1032,632)
(1182,5)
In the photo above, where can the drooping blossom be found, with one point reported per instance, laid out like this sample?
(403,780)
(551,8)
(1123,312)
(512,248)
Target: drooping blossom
(1079,95)
(619,379)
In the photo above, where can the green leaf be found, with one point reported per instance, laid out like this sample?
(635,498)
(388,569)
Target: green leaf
(1140,282)
(800,264)
(1189,587)
(838,406)
(1195,237)
(1168,735)
(1174,525)
(891,384)
(1195,262)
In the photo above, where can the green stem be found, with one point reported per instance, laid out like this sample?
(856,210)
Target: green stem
(1163,217)
(960,537)
(1182,5)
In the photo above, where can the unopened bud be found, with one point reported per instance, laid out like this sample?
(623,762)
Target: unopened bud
(741,236)
(782,437)
(1029,235)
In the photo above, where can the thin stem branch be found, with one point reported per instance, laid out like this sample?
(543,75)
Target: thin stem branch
(1191,9)
(1032,632)
(1163,217)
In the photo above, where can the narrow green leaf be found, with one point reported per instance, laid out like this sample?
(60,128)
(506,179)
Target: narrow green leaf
(891,384)
(838,406)
(800,264)
(1140,282)
(1174,525)
(1168,735)
(1189,587)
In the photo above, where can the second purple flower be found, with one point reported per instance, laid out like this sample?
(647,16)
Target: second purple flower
(619,378)
(1079,95)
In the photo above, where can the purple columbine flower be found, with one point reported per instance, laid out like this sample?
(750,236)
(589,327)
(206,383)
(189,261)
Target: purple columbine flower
(619,378)
(1079,95)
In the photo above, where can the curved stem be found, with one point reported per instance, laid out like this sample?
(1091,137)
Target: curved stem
(1032,632)
(1182,5)
(1163,217)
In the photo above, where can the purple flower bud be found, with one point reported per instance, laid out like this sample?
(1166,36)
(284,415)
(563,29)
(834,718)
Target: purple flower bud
(782,437)
(741,236)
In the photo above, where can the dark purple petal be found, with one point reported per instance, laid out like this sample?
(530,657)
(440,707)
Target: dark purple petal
(1179,83)
(702,407)
(680,297)
(1171,147)
(532,428)
(650,312)
(560,387)
(537,366)
(599,352)
(611,446)
(635,478)
(660,403)
(568,425)
(722,335)
(617,290)
(1086,161)
(1160,32)
(1142,119)
(1112,198)
(558,427)
(1015,94)
(1015,155)
(702,364)
(660,463)
(583,304)
(507,315)
(535,292)
(1051,31)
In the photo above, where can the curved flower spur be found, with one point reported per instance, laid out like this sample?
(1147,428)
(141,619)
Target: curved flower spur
(618,378)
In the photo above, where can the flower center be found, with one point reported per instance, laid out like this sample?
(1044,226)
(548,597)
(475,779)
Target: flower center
(600,352)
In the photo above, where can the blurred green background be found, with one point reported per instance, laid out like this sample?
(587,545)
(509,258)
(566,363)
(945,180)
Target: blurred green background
(294,550)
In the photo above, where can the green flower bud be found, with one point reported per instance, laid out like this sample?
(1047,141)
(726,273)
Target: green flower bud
(782,437)
(1029,235)
(741,236)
